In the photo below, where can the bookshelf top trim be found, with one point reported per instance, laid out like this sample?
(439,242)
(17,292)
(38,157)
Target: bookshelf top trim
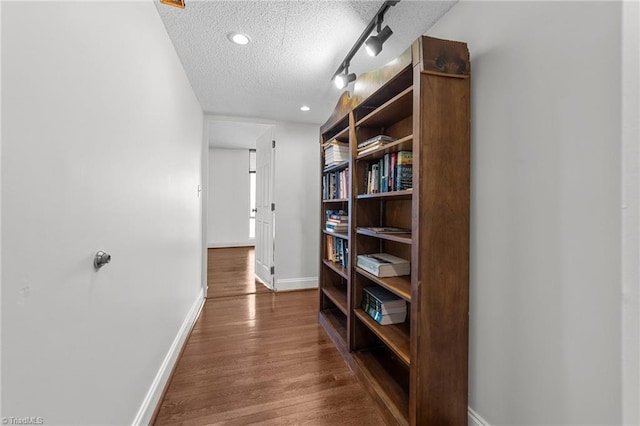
(432,55)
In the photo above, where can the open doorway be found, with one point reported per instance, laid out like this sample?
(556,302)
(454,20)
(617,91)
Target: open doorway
(232,192)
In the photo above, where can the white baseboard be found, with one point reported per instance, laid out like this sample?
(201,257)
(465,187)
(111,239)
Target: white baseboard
(152,399)
(232,244)
(289,284)
(475,419)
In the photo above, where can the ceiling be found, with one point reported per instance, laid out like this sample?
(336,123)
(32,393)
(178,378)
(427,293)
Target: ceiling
(235,133)
(295,48)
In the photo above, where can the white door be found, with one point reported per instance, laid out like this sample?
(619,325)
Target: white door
(264,256)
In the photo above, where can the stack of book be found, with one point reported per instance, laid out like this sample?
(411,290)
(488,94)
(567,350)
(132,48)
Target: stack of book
(373,143)
(337,250)
(393,172)
(383,306)
(335,184)
(384,265)
(335,152)
(337,221)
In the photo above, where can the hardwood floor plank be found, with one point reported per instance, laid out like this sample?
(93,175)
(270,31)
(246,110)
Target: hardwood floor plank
(230,272)
(263,359)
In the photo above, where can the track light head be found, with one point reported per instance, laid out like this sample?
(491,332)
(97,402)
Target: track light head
(374,43)
(342,80)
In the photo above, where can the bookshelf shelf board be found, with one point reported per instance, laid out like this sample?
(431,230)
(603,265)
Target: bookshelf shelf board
(336,167)
(404,144)
(400,238)
(401,286)
(336,234)
(336,325)
(337,296)
(343,134)
(391,194)
(385,385)
(337,268)
(336,200)
(396,108)
(395,336)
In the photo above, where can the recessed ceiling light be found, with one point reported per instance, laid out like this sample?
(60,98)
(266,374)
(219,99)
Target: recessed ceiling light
(304,108)
(239,38)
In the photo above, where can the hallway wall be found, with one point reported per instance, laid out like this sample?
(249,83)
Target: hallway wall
(228,221)
(296,191)
(545,271)
(101,149)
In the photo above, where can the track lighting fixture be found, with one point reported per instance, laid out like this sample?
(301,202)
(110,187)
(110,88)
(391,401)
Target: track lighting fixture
(342,80)
(374,44)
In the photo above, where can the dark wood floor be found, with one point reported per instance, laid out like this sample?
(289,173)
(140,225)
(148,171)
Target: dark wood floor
(263,359)
(230,272)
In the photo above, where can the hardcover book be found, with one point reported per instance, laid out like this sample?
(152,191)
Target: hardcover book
(380,139)
(384,265)
(383,306)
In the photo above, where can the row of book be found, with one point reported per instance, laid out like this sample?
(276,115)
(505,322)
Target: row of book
(383,306)
(335,152)
(373,143)
(393,172)
(336,221)
(337,250)
(383,264)
(335,184)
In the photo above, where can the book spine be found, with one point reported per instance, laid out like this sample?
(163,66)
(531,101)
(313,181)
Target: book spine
(392,170)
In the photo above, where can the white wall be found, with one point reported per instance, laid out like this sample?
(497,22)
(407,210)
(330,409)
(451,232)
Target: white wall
(631,212)
(101,149)
(228,217)
(297,186)
(545,338)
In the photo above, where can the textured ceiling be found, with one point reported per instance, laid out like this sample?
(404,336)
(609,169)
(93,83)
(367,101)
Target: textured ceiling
(295,48)
(234,133)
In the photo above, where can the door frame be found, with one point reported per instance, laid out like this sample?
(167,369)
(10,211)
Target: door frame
(204,185)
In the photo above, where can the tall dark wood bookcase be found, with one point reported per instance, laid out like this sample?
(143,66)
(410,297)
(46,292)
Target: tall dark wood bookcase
(417,370)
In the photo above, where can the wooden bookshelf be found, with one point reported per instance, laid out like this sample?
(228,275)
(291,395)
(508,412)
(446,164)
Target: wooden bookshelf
(384,385)
(338,297)
(407,193)
(334,167)
(404,238)
(402,144)
(335,324)
(416,370)
(401,286)
(395,336)
(337,268)
(398,107)
(336,234)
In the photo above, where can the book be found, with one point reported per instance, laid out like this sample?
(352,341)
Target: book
(370,148)
(335,152)
(337,250)
(383,306)
(387,230)
(384,264)
(335,184)
(384,301)
(380,139)
(393,159)
(404,171)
